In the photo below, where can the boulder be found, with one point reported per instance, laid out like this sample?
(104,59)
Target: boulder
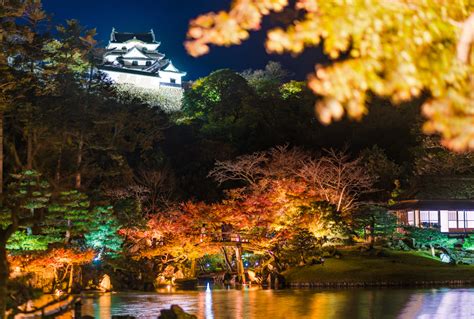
(175,312)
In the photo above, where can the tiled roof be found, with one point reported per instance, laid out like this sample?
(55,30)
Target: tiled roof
(120,37)
(127,70)
(460,204)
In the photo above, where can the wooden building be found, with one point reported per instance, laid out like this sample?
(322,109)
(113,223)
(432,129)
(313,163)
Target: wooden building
(449,216)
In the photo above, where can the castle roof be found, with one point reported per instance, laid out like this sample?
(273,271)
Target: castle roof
(121,37)
(171,68)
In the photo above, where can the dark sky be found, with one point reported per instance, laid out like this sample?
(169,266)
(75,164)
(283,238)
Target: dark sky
(169,19)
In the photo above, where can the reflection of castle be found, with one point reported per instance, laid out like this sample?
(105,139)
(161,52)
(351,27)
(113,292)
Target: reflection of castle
(133,58)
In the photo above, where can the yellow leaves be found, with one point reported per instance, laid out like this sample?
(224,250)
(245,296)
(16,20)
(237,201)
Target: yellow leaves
(394,48)
(452,117)
(328,110)
(228,28)
(279,42)
(308,5)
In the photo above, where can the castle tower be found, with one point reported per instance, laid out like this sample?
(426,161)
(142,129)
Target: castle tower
(133,58)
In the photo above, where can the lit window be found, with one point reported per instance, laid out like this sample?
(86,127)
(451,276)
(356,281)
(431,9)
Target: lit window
(453,219)
(411,218)
(429,218)
(470,219)
(461,219)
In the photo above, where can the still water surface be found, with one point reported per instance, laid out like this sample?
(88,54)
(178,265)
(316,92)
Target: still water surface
(253,303)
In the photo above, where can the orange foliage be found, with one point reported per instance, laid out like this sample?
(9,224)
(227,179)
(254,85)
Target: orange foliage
(54,258)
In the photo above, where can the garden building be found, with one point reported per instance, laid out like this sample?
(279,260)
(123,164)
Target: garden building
(449,216)
(134,58)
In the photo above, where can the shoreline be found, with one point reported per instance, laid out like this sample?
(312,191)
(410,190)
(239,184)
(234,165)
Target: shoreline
(383,284)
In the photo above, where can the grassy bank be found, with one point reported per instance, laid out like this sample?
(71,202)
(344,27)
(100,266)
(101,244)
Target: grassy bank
(391,268)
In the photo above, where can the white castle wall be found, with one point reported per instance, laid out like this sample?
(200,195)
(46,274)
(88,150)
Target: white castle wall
(143,81)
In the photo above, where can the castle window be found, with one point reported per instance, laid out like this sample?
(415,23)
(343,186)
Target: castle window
(134,62)
(124,48)
(173,81)
(148,62)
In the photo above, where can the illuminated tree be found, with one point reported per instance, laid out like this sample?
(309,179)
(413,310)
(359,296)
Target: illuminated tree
(397,49)
(72,207)
(103,231)
(334,177)
(167,99)
(23,207)
(340,179)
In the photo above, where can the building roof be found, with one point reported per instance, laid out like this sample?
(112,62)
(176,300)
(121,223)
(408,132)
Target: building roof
(127,70)
(452,204)
(171,68)
(121,37)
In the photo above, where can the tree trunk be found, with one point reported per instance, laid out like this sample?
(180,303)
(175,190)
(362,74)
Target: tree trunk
(67,237)
(240,264)
(29,151)
(71,279)
(79,161)
(226,259)
(372,233)
(193,268)
(4,274)
(58,165)
(1,152)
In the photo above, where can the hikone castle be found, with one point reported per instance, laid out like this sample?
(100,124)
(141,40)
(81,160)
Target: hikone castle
(133,58)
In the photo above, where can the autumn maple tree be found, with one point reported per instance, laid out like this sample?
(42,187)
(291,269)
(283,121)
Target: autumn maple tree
(400,49)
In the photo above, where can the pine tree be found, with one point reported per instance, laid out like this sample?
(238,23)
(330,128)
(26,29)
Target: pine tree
(103,234)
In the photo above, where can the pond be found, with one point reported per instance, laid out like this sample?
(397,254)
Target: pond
(270,304)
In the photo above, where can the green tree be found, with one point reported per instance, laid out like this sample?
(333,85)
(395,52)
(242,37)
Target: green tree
(71,208)
(371,221)
(23,207)
(222,102)
(103,232)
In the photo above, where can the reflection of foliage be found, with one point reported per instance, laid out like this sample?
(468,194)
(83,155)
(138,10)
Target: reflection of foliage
(103,232)
(394,48)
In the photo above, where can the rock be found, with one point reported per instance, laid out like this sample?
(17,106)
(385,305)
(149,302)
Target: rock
(178,275)
(445,258)
(175,312)
(105,284)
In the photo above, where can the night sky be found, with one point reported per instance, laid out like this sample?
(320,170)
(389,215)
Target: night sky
(169,19)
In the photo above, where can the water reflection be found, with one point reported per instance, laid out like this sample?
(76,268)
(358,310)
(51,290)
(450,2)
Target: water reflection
(269,304)
(442,303)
